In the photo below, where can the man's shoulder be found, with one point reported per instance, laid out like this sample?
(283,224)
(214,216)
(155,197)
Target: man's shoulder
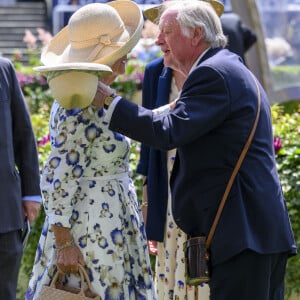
(5,62)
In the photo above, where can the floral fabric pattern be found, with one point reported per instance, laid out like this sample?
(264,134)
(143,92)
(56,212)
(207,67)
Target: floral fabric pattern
(170,263)
(86,186)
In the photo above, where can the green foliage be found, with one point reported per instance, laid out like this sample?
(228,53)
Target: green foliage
(131,81)
(286,124)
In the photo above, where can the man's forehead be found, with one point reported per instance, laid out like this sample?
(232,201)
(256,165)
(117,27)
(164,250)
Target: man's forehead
(168,18)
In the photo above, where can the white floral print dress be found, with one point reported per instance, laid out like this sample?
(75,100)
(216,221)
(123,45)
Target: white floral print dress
(86,186)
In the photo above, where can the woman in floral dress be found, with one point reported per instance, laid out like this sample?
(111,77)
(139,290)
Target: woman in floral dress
(86,186)
(93,216)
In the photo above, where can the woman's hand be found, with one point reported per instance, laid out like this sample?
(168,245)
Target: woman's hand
(68,255)
(68,258)
(103,91)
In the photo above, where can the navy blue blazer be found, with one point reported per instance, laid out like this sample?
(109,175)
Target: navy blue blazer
(19,166)
(153,162)
(209,127)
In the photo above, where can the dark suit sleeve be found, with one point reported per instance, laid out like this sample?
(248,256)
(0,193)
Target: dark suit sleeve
(204,103)
(25,147)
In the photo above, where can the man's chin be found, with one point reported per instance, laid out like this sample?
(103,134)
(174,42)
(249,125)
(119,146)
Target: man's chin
(167,62)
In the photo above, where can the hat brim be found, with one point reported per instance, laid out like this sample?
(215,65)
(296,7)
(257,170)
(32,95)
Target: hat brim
(100,69)
(133,22)
(152,14)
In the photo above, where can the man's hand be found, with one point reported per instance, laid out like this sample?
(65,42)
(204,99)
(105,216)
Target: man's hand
(31,210)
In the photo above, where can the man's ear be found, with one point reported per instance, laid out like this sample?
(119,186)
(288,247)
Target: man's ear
(197,36)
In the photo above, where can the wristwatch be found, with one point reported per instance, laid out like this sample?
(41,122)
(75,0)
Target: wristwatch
(109,99)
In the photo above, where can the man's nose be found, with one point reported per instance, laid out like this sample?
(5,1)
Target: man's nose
(159,40)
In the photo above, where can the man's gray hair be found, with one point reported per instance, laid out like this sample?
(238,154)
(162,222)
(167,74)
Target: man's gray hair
(194,13)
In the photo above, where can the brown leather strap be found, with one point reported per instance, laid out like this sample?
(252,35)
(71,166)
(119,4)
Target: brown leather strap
(234,173)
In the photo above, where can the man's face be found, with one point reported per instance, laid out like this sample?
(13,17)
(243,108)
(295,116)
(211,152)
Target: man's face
(175,46)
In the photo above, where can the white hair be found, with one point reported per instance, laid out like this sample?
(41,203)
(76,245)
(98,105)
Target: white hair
(194,13)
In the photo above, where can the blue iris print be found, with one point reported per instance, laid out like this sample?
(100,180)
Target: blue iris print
(57,184)
(72,157)
(138,294)
(83,118)
(77,171)
(75,215)
(97,228)
(72,127)
(114,292)
(108,188)
(117,237)
(90,274)
(100,113)
(109,148)
(73,112)
(82,241)
(49,177)
(171,224)
(95,261)
(141,281)
(58,212)
(92,132)
(92,184)
(54,162)
(105,211)
(38,254)
(102,242)
(29,294)
(60,139)
(180,284)
(44,229)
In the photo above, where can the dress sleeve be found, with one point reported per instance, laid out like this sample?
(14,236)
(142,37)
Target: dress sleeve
(68,158)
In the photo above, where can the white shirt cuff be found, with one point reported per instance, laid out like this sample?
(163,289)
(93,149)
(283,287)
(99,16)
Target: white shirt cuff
(33,198)
(162,110)
(111,109)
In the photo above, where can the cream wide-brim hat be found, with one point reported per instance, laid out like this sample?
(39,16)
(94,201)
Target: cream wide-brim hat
(96,36)
(153,13)
(98,33)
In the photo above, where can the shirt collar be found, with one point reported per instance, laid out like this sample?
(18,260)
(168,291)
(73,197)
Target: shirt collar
(197,60)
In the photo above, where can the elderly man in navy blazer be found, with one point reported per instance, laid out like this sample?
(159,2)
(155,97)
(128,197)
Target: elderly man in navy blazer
(209,125)
(19,177)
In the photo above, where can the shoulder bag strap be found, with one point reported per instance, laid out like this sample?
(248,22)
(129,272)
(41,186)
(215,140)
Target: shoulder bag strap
(234,173)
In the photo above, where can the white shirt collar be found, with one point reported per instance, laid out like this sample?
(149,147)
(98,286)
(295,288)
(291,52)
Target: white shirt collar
(197,60)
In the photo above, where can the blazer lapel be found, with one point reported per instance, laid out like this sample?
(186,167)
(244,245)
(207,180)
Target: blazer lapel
(164,87)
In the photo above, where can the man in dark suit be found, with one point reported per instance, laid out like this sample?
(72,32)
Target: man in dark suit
(240,37)
(209,125)
(19,177)
(156,90)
